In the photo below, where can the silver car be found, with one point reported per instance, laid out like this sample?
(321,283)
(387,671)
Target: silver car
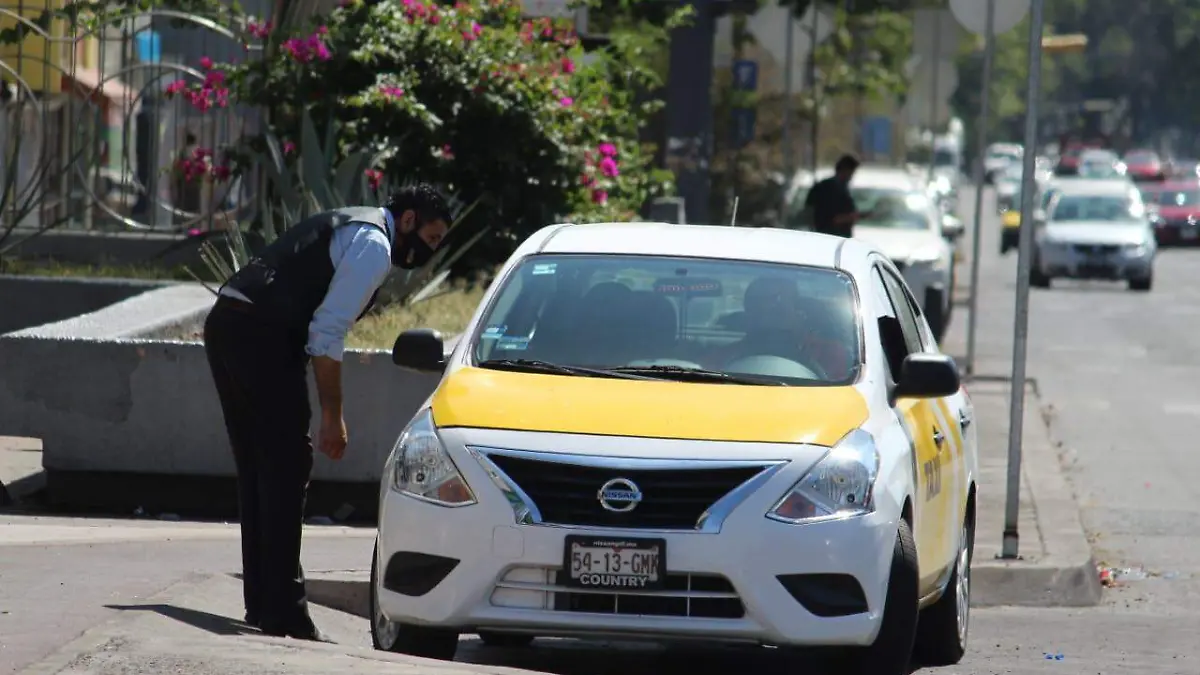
(1094,230)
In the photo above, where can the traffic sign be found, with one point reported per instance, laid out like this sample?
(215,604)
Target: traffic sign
(877,135)
(972,14)
(743,126)
(745,75)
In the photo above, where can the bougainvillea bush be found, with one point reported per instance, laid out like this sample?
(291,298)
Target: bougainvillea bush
(468,95)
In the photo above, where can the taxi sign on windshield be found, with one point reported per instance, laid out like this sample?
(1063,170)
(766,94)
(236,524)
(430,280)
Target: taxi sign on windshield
(703,288)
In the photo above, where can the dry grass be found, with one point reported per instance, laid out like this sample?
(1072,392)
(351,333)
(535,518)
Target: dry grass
(54,268)
(447,312)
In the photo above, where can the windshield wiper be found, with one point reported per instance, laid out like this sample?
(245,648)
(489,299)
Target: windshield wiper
(683,374)
(535,366)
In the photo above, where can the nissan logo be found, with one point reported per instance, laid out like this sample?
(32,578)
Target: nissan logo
(619,495)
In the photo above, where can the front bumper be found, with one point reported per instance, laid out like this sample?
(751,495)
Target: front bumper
(754,581)
(1083,261)
(1177,232)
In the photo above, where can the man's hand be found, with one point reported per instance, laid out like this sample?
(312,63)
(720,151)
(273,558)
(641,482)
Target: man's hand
(331,438)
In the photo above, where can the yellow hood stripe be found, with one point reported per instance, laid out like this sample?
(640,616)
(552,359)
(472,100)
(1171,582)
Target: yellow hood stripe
(493,399)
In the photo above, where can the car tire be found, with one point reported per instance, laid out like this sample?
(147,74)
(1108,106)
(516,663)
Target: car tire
(892,651)
(935,312)
(509,640)
(1037,278)
(1143,285)
(944,627)
(402,638)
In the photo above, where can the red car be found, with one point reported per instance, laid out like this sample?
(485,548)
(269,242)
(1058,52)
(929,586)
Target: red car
(1144,165)
(1174,211)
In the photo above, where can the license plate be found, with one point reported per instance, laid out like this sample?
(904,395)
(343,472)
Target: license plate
(612,563)
(1189,233)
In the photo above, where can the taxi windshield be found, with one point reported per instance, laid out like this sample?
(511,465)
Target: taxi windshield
(894,209)
(689,319)
(1096,208)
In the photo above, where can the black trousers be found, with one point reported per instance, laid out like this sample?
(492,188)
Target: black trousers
(261,372)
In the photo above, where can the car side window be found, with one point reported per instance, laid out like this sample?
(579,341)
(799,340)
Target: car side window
(928,341)
(891,335)
(905,313)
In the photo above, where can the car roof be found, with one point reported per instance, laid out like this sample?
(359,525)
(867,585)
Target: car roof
(765,244)
(1170,186)
(1094,186)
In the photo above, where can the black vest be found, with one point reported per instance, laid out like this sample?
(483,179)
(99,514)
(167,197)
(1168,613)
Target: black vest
(288,280)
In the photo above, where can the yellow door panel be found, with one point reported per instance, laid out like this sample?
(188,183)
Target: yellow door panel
(929,501)
(953,472)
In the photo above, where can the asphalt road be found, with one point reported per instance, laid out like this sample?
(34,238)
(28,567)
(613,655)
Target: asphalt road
(1121,372)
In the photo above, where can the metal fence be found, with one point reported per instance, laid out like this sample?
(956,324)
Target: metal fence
(90,136)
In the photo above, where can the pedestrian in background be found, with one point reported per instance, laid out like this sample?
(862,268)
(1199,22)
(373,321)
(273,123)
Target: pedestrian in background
(830,202)
(291,305)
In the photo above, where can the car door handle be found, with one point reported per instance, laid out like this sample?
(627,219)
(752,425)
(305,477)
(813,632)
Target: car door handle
(964,420)
(938,438)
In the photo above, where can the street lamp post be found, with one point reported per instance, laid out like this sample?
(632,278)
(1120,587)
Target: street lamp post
(1016,420)
(989,52)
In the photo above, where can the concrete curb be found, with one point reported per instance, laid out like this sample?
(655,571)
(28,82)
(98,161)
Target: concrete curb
(348,592)
(1067,576)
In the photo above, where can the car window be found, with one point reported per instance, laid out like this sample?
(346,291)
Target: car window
(905,312)
(893,208)
(1171,198)
(1096,208)
(793,324)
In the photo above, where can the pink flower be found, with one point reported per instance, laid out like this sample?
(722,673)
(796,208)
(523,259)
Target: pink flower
(599,197)
(391,91)
(206,62)
(194,232)
(214,77)
(221,172)
(468,36)
(374,178)
(566,101)
(435,19)
(447,152)
(567,66)
(176,87)
(288,147)
(586,180)
(311,48)
(259,30)
(608,167)
(476,29)
(607,150)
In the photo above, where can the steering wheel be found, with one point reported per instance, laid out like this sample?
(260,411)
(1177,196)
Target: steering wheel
(778,366)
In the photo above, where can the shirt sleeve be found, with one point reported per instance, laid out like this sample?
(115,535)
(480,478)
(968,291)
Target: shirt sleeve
(359,271)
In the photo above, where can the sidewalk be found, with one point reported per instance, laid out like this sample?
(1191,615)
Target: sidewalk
(1055,567)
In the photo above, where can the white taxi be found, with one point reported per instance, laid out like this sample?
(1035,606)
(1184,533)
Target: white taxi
(672,432)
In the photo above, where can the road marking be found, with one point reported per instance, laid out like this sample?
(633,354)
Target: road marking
(1184,408)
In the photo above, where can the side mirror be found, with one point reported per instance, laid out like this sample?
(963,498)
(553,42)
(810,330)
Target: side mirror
(952,227)
(927,376)
(421,349)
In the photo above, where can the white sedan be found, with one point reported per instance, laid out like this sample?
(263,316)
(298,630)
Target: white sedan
(672,432)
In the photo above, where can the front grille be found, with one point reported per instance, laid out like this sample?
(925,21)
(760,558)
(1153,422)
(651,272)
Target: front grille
(690,595)
(1097,249)
(673,499)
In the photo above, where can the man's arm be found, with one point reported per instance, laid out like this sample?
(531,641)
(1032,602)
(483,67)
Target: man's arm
(364,264)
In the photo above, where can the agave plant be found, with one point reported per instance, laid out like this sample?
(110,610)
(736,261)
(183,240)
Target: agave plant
(314,182)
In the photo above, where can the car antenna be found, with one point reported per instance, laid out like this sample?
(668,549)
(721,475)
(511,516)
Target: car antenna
(733,219)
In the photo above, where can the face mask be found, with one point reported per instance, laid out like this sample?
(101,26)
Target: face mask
(411,251)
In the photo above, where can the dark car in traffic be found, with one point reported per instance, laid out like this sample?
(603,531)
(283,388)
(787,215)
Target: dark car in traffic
(1174,208)
(1145,165)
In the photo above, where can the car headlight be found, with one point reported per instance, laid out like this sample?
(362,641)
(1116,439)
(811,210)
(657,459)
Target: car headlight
(1134,249)
(841,485)
(422,468)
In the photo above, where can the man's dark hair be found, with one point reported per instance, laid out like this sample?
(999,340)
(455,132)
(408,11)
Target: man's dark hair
(423,198)
(846,163)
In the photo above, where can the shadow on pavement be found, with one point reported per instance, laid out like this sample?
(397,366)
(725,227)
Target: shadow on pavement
(217,625)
